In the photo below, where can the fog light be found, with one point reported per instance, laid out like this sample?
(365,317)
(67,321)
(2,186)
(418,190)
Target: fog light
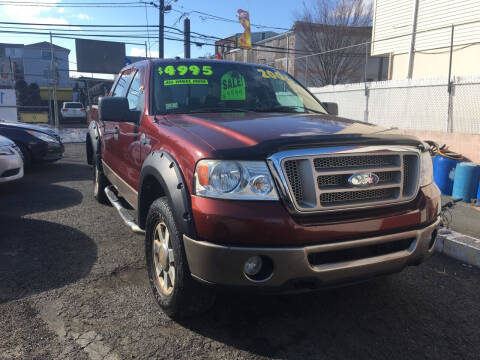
(261,185)
(253,265)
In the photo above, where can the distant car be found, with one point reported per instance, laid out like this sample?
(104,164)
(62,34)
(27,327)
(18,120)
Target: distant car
(11,161)
(74,110)
(37,143)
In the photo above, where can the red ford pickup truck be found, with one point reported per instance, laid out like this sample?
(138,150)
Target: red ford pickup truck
(239,178)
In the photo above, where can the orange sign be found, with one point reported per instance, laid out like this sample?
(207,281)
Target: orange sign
(245,40)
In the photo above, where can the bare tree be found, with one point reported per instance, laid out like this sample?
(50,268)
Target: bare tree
(326,25)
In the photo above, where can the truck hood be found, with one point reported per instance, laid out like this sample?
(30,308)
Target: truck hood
(251,135)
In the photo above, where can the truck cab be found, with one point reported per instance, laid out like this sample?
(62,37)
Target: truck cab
(239,178)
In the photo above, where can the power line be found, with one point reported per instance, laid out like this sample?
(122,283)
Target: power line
(73,5)
(78,25)
(64,33)
(220,18)
(136,31)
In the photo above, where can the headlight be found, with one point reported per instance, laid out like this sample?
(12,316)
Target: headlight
(240,180)
(426,169)
(42,136)
(6,150)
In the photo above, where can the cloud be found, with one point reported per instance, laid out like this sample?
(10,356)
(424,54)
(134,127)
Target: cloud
(134,51)
(61,10)
(34,14)
(83,17)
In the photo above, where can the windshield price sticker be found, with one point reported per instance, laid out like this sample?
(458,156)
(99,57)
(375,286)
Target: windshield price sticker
(185,82)
(182,70)
(268,74)
(232,86)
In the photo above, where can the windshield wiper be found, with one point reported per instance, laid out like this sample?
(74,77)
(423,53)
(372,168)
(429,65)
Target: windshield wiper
(218,109)
(289,109)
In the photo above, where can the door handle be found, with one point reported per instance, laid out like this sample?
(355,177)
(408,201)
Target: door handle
(144,139)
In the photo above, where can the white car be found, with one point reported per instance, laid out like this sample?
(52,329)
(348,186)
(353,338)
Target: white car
(74,110)
(11,161)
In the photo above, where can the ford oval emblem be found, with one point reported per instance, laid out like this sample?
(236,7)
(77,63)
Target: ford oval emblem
(363,179)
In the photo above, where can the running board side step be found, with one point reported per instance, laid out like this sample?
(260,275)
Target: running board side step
(124,213)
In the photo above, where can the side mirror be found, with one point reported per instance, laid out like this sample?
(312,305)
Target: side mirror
(331,107)
(113,108)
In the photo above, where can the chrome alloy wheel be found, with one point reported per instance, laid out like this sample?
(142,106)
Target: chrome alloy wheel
(163,259)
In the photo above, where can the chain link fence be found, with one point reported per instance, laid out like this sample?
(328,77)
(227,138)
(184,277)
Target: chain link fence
(410,104)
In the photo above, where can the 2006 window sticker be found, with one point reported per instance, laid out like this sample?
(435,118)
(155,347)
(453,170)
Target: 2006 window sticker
(268,74)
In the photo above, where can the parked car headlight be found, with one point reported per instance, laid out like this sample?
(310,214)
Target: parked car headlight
(426,169)
(240,180)
(6,150)
(42,136)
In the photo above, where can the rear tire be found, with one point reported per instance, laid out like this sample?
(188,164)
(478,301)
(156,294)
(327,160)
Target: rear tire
(100,182)
(173,287)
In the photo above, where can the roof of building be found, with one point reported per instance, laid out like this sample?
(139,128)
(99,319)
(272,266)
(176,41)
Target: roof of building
(11,45)
(256,36)
(45,45)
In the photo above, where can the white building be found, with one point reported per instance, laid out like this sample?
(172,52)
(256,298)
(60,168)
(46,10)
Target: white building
(427,54)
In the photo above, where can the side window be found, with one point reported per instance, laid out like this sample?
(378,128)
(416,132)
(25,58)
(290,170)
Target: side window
(134,93)
(122,84)
(285,96)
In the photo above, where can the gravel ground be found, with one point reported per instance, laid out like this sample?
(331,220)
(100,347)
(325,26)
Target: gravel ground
(73,286)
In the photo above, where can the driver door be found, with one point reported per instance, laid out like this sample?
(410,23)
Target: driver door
(123,145)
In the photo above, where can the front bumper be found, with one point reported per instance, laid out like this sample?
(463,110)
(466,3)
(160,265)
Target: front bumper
(44,151)
(11,167)
(295,268)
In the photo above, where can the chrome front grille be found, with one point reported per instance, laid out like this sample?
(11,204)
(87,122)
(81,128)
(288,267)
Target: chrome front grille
(364,162)
(325,181)
(318,179)
(331,198)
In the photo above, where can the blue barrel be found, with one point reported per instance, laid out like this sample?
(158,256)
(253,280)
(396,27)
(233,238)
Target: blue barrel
(478,195)
(466,181)
(444,172)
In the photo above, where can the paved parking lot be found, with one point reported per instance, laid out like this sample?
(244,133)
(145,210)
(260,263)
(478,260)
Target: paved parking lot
(73,286)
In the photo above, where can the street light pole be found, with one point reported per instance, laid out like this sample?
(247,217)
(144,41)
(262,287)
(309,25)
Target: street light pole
(54,73)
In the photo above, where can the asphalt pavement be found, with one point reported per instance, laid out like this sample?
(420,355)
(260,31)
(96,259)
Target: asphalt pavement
(73,285)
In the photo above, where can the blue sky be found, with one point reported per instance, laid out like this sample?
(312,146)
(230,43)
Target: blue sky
(277,13)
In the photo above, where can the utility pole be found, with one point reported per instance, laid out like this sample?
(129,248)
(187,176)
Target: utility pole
(52,65)
(161,23)
(161,13)
(411,52)
(186,37)
(146,50)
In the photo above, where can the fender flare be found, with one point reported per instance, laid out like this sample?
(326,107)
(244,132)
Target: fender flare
(163,167)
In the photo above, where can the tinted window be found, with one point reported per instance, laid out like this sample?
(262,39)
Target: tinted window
(215,87)
(134,95)
(73,106)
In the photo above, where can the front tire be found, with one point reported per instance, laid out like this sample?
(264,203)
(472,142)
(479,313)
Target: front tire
(173,287)
(100,182)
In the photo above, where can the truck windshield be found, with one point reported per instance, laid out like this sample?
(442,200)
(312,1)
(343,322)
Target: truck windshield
(191,87)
